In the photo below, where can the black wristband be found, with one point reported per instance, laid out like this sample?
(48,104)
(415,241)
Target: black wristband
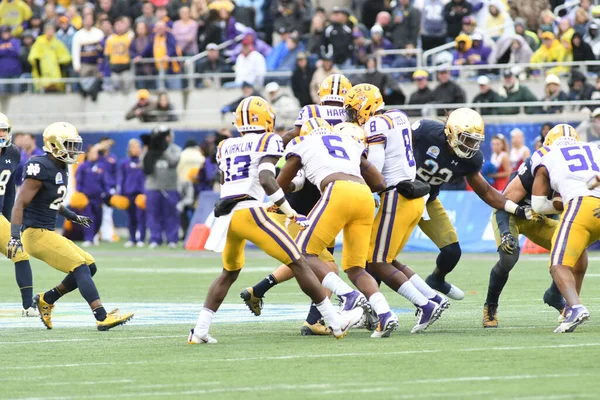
(15,230)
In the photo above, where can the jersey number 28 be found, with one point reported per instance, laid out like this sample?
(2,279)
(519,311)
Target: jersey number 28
(432,173)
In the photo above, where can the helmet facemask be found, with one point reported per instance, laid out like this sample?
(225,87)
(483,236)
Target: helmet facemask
(466,144)
(67,150)
(5,141)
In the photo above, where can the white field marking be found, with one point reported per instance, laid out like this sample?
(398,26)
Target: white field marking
(555,397)
(303,356)
(70,340)
(408,396)
(181,270)
(82,383)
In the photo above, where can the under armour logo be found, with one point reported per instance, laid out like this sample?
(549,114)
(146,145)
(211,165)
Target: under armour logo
(454,162)
(7,161)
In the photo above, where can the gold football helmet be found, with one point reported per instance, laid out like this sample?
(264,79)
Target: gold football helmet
(62,140)
(254,114)
(334,88)
(350,129)
(464,132)
(362,102)
(315,126)
(5,126)
(562,135)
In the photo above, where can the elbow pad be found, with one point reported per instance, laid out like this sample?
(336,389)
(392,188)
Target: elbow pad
(542,205)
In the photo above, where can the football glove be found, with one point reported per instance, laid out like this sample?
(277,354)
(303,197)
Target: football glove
(524,212)
(508,243)
(13,247)
(299,219)
(86,222)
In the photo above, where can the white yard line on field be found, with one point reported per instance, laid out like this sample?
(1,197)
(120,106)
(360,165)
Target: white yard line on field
(307,356)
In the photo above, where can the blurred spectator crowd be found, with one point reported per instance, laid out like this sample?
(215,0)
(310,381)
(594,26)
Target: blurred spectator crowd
(109,42)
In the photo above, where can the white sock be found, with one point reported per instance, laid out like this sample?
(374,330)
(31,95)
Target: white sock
(336,284)
(422,287)
(204,321)
(379,303)
(328,312)
(411,293)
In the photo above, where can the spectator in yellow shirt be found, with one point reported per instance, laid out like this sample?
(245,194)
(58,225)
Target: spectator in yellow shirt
(551,50)
(117,52)
(14,13)
(49,59)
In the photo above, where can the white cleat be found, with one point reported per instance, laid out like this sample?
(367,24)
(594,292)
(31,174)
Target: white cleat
(426,316)
(172,245)
(128,244)
(455,293)
(87,243)
(575,316)
(153,245)
(388,323)
(204,339)
(30,312)
(140,244)
(344,321)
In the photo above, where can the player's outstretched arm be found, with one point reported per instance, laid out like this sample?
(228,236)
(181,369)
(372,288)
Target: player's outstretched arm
(372,176)
(86,222)
(495,199)
(290,169)
(290,135)
(540,191)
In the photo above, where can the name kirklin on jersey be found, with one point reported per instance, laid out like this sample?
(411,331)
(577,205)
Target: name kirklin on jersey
(237,148)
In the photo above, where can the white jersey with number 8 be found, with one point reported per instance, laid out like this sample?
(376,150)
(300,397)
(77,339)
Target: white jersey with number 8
(569,168)
(238,159)
(392,131)
(323,155)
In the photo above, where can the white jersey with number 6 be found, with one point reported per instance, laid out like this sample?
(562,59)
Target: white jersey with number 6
(392,132)
(569,168)
(238,159)
(323,155)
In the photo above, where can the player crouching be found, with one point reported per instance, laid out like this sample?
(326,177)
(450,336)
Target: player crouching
(34,214)
(247,167)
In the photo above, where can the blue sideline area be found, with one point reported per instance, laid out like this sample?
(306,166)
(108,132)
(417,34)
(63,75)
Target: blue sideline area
(468,233)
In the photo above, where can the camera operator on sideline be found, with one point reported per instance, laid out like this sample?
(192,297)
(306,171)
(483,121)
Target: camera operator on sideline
(160,167)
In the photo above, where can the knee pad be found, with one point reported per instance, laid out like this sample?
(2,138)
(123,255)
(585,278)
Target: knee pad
(506,262)
(449,257)
(93,268)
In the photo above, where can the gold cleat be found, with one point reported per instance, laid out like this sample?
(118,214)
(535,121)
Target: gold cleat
(315,329)
(45,310)
(255,304)
(490,313)
(113,319)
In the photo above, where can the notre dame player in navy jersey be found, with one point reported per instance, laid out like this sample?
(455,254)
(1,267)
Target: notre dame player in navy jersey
(34,214)
(10,156)
(443,153)
(507,228)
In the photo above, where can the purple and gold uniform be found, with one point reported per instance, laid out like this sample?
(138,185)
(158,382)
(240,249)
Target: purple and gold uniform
(91,181)
(131,180)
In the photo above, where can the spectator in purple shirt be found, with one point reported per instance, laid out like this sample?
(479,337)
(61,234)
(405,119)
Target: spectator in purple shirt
(10,63)
(27,145)
(90,181)
(131,185)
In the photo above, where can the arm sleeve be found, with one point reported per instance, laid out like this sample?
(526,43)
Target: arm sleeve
(376,156)
(9,197)
(503,221)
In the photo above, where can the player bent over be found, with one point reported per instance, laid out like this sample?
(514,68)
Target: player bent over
(10,157)
(337,166)
(507,228)
(389,139)
(247,167)
(566,167)
(34,214)
(331,93)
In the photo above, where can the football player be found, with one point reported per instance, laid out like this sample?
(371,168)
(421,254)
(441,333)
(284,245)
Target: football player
(10,157)
(445,152)
(34,219)
(569,167)
(337,166)
(390,151)
(247,167)
(331,94)
(507,228)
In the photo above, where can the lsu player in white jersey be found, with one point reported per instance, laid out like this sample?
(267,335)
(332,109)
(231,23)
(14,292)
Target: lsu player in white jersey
(389,140)
(247,167)
(331,94)
(570,168)
(337,166)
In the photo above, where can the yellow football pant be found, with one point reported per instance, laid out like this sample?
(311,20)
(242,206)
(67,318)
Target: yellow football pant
(55,250)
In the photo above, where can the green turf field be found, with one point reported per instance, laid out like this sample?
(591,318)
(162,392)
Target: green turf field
(260,358)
